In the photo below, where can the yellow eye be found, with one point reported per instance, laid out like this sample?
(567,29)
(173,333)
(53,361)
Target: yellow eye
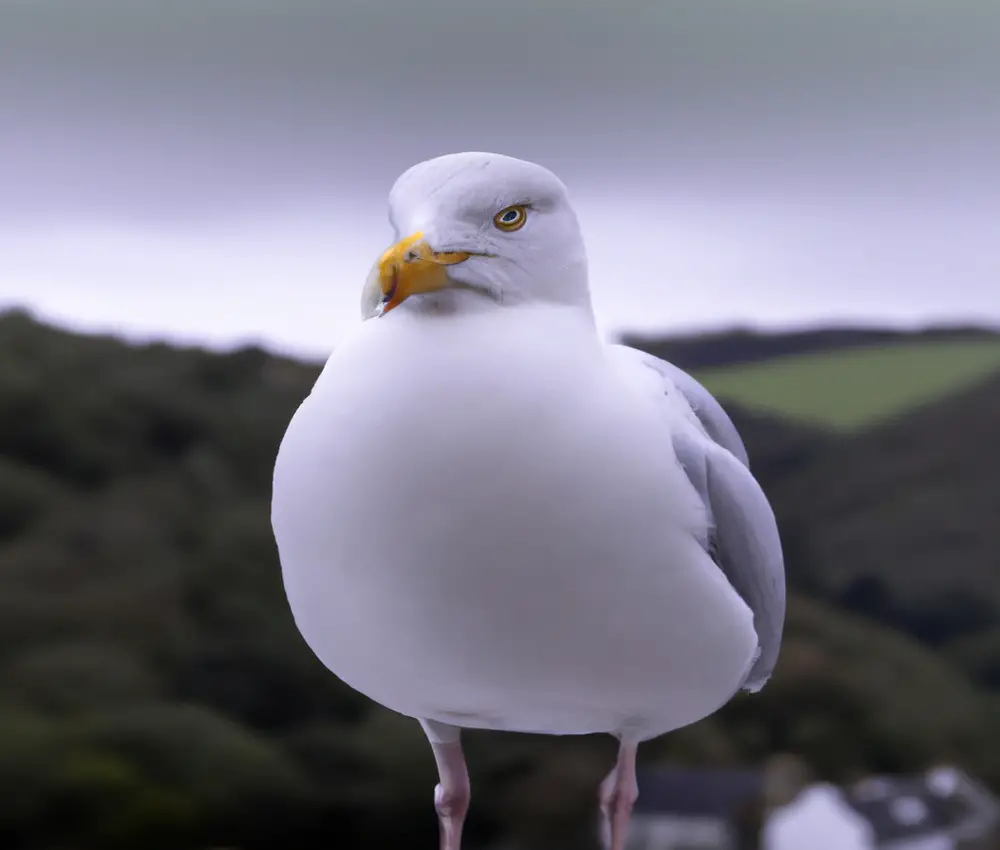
(510,219)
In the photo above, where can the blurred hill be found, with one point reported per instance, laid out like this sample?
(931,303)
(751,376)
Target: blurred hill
(742,346)
(901,521)
(893,498)
(854,389)
(875,447)
(847,379)
(155,692)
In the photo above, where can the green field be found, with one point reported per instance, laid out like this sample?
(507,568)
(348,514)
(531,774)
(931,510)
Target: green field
(854,388)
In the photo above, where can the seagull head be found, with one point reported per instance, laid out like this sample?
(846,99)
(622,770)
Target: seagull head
(484,223)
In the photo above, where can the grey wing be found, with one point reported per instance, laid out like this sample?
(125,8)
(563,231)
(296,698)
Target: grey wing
(710,413)
(743,541)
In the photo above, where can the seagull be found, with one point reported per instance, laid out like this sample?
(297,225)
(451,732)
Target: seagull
(487,517)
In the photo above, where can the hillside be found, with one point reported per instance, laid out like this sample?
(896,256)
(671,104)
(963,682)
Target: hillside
(877,455)
(901,522)
(852,389)
(739,346)
(156,693)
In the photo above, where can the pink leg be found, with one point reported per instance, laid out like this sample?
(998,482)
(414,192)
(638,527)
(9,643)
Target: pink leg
(618,794)
(451,796)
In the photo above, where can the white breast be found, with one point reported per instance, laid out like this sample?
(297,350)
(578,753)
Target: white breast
(480,522)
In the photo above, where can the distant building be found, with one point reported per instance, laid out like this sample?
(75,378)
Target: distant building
(697,809)
(819,818)
(942,809)
(777,808)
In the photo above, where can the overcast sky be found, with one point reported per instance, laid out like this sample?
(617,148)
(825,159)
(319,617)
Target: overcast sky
(216,170)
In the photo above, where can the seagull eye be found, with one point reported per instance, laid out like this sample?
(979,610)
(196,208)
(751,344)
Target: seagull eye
(510,219)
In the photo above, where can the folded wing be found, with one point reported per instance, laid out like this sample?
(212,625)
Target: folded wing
(713,418)
(743,539)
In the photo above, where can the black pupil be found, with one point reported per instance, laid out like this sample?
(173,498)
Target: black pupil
(509,216)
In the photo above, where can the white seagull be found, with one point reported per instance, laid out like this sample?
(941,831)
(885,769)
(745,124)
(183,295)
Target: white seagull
(488,518)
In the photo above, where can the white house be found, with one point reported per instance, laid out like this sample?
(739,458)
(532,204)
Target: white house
(819,818)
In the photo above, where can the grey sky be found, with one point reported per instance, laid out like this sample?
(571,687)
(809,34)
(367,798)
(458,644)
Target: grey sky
(217,169)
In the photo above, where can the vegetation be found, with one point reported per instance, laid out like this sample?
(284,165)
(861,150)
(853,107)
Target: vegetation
(854,388)
(157,694)
(901,525)
(738,347)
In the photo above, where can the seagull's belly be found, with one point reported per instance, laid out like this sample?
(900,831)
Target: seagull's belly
(511,554)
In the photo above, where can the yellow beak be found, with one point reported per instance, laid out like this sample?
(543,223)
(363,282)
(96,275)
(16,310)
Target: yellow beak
(410,267)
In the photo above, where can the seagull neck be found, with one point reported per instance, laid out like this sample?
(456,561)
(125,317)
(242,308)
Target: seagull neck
(465,299)
(454,299)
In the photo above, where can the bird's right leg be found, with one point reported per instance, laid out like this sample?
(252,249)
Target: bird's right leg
(452,794)
(618,794)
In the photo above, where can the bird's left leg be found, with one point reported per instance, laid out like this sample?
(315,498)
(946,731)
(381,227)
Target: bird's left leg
(451,796)
(618,794)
